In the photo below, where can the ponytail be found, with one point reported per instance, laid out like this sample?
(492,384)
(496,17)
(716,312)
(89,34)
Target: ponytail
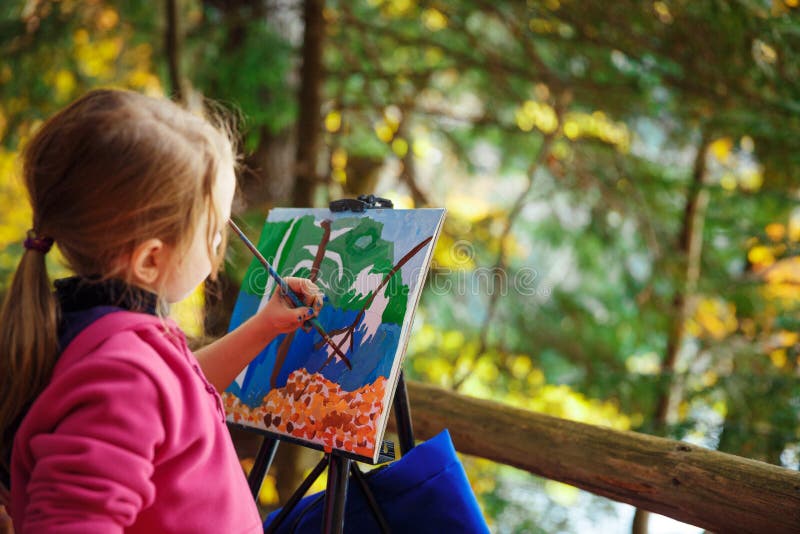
(28,344)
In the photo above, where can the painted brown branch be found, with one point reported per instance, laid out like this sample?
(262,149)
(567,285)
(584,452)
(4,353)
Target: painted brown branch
(172,47)
(713,490)
(399,265)
(309,123)
(283,348)
(321,248)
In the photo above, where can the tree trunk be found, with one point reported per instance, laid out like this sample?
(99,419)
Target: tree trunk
(713,490)
(270,179)
(309,124)
(172,47)
(690,248)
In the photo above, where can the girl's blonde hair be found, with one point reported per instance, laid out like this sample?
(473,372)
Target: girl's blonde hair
(111,170)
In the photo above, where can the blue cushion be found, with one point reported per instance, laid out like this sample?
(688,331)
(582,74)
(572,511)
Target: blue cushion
(426,491)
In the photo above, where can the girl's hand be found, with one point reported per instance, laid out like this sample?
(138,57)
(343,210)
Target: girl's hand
(280,316)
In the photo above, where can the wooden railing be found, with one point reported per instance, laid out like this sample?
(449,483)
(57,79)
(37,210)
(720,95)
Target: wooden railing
(717,491)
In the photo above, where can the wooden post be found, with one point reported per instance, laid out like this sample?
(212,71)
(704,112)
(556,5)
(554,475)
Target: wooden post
(713,490)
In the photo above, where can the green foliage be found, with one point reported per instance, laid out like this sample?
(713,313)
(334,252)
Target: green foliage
(251,76)
(603,106)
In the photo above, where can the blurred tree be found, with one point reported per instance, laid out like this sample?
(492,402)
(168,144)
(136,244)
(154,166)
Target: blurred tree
(621,180)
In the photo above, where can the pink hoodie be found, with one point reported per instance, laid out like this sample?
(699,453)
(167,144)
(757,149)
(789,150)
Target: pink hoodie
(128,436)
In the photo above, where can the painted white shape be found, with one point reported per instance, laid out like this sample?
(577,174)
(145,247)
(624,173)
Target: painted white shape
(364,284)
(337,233)
(329,254)
(277,261)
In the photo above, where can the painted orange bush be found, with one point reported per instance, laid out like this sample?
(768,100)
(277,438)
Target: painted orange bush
(312,408)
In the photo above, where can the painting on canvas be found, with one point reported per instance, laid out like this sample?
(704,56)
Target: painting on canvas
(371,267)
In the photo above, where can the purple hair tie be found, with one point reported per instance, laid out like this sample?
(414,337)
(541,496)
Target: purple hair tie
(39,243)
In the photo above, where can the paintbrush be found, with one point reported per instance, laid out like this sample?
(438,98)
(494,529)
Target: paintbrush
(284,287)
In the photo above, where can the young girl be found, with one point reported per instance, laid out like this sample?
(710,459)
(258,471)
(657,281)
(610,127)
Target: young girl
(109,423)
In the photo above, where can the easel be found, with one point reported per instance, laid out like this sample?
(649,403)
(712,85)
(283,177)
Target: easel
(340,466)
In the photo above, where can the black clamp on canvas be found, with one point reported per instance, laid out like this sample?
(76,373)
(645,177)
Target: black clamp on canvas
(360,204)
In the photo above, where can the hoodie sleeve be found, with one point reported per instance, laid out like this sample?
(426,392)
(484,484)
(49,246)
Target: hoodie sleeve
(92,471)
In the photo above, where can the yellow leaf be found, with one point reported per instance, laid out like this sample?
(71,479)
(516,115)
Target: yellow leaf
(333,121)
(571,129)
(402,202)
(562,493)
(539,25)
(486,370)
(80,37)
(396,8)
(339,158)
(721,149)
(764,52)
(775,231)
(778,357)
(247,465)
(714,318)
(761,255)
(452,340)
(384,132)
(536,377)
(64,84)
(784,271)
(434,20)
(400,146)
(709,378)
(787,339)
(268,496)
(752,180)
(521,366)
(339,176)
(662,11)
(108,19)
(728,182)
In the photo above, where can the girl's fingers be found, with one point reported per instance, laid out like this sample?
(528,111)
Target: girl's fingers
(307,290)
(286,316)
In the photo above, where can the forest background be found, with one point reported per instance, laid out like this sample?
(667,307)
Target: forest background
(622,183)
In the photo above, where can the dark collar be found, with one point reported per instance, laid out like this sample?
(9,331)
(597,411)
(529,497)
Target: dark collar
(79,293)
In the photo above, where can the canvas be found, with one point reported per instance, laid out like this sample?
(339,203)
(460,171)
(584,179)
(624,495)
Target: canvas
(371,267)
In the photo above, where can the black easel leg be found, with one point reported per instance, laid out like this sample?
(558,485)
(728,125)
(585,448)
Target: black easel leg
(402,413)
(373,504)
(336,494)
(261,466)
(296,496)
